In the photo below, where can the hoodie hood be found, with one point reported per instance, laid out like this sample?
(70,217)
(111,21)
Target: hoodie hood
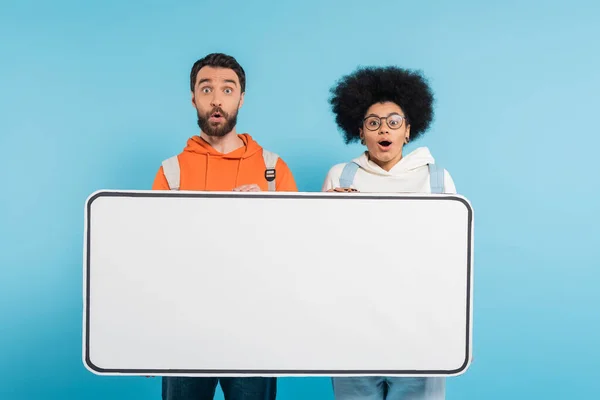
(197,145)
(216,165)
(413,160)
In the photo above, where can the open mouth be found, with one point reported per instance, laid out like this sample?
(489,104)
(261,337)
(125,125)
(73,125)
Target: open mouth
(216,116)
(385,144)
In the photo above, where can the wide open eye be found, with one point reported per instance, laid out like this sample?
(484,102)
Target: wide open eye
(395,121)
(372,122)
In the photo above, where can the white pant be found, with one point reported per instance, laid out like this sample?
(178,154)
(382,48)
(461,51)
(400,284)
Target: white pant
(390,388)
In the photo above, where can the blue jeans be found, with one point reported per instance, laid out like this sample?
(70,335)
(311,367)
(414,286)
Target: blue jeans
(390,388)
(200,388)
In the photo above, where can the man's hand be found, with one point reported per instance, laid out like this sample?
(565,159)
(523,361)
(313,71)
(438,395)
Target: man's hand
(247,188)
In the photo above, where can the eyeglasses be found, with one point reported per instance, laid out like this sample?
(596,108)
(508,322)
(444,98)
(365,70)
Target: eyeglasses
(394,121)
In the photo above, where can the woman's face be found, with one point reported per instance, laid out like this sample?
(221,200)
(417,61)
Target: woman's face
(384,131)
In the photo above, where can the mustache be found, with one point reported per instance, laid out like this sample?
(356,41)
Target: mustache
(217,110)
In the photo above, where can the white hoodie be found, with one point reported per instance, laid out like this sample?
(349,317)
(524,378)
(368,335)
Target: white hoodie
(409,175)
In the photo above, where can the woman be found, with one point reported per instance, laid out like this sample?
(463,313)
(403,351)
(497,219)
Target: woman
(384,109)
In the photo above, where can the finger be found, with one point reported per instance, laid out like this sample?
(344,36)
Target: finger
(248,188)
(345,190)
(251,188)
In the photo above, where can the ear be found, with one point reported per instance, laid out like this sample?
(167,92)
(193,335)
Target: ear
(194,100)
(407,136)
(361,135)
(241,100)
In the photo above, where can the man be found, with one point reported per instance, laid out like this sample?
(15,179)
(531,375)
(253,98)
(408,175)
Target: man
(220,159)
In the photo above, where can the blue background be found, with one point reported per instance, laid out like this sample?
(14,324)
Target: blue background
(94,96)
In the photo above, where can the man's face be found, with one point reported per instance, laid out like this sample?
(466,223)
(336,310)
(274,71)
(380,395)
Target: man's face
(217,98)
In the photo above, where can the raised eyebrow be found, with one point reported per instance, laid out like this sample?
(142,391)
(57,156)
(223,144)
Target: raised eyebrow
(386,116)
(205,80)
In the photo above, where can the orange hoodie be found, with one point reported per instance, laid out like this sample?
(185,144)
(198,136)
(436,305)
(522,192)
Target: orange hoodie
(205,169)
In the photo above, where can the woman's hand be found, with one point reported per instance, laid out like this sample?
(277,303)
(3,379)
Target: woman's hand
(343,190)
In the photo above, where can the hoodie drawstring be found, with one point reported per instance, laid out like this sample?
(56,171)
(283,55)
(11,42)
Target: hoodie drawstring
(237,173)
(206,172)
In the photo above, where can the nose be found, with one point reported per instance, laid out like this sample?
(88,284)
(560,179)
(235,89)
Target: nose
(216,100)
(383,128)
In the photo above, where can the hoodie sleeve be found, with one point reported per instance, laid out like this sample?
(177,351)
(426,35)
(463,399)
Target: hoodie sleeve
(332,180)
(285,181)
(160,181)
(329,182)
(449,186)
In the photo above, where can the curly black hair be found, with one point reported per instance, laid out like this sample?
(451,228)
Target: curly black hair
(353,94)
(218,60)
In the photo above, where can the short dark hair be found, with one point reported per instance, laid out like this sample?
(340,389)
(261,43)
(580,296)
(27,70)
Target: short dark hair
(352,96)
(218,60)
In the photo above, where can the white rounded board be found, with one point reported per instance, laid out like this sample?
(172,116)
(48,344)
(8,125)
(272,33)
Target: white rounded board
(277,284)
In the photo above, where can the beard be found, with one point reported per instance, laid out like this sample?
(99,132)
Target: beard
(218,129)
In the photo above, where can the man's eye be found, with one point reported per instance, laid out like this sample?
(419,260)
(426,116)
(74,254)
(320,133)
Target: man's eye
(206,90)
(228,91)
